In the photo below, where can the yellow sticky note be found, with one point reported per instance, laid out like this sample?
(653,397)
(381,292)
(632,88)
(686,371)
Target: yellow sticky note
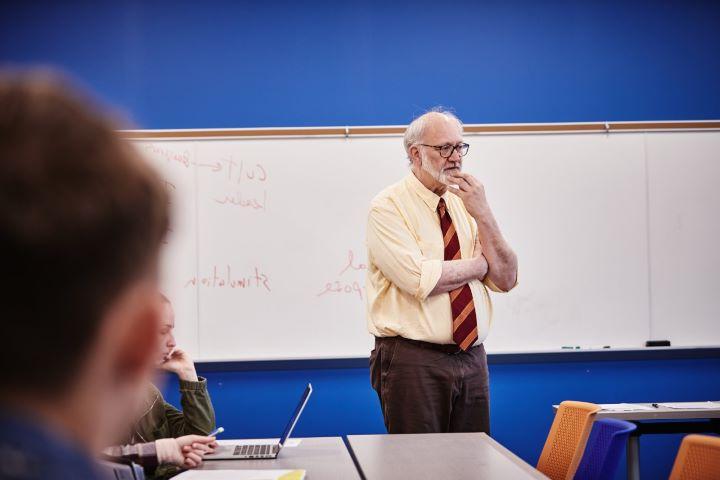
(294,475)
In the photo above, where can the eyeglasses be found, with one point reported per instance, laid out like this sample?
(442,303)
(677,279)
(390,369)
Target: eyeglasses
(446,151)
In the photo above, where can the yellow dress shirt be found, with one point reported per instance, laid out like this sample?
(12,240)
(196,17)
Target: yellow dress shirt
(405,256)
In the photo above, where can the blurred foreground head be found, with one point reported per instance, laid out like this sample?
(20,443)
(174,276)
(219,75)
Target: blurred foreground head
(82,218)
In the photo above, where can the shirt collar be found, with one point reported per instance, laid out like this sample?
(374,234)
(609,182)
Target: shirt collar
(430,198)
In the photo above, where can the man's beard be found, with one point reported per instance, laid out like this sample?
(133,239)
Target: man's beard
(439,175)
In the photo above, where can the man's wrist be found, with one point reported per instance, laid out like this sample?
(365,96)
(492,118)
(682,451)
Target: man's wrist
(481,214)
(481,266)
(477,263)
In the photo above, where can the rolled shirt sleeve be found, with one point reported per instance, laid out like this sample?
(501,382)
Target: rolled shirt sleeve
(491,285)
(396,253)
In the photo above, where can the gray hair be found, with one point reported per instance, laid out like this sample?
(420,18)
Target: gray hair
(415,131)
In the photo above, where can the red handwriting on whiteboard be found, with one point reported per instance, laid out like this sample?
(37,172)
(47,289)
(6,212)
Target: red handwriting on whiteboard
(238,200)
(224,278)
(181,158)
(238,171)
(341,287)
(215,167)
(346,287)
(351,264)
(256,172)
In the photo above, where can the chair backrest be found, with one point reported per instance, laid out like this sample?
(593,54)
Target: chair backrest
(566,441)
(698,458)
(604,448)
(121,470)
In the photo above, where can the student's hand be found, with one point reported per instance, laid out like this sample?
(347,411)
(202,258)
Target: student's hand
(187,451)
(180,363)
(471,191)
(194,448)
(199,442)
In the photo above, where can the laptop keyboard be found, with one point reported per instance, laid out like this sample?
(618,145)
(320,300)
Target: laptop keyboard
(254,450)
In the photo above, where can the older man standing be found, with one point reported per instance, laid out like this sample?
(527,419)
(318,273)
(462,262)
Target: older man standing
(433,248)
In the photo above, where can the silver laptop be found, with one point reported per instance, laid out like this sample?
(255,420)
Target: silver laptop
(261,450)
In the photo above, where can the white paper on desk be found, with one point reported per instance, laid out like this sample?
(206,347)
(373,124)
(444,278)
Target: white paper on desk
(291,442)
(625,407)
(242,475)
(691,405)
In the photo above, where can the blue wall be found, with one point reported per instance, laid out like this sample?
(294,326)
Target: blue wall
(184,64)
(288,63)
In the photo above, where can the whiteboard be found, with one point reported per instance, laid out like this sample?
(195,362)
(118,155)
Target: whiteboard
(683,172)
(267,256)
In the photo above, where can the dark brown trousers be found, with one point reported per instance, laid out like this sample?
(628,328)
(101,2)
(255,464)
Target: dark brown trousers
(429,388)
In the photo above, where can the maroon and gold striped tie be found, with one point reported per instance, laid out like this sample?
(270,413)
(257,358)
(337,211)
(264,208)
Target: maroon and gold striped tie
(461,300)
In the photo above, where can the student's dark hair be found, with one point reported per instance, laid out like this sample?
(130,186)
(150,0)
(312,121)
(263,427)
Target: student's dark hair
(82,216)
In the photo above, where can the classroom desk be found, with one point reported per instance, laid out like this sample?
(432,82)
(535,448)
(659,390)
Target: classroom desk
(436,455)
(662,420)
(324,458)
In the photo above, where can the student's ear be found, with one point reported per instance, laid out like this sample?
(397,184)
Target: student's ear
(138,349)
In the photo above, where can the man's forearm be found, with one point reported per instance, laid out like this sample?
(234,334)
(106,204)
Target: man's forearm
(456,273)
(502,261)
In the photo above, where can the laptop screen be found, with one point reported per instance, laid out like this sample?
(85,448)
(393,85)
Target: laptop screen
(296,414)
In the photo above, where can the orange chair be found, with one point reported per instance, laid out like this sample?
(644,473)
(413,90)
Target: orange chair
(566,441)
(698,459)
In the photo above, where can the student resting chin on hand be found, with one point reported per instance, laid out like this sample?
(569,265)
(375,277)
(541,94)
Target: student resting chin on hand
(158,419)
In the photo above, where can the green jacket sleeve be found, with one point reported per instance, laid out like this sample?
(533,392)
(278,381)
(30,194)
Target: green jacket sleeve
(197,416)
(163,472)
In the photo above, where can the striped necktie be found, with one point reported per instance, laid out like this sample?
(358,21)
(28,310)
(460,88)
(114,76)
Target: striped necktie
(461,300)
